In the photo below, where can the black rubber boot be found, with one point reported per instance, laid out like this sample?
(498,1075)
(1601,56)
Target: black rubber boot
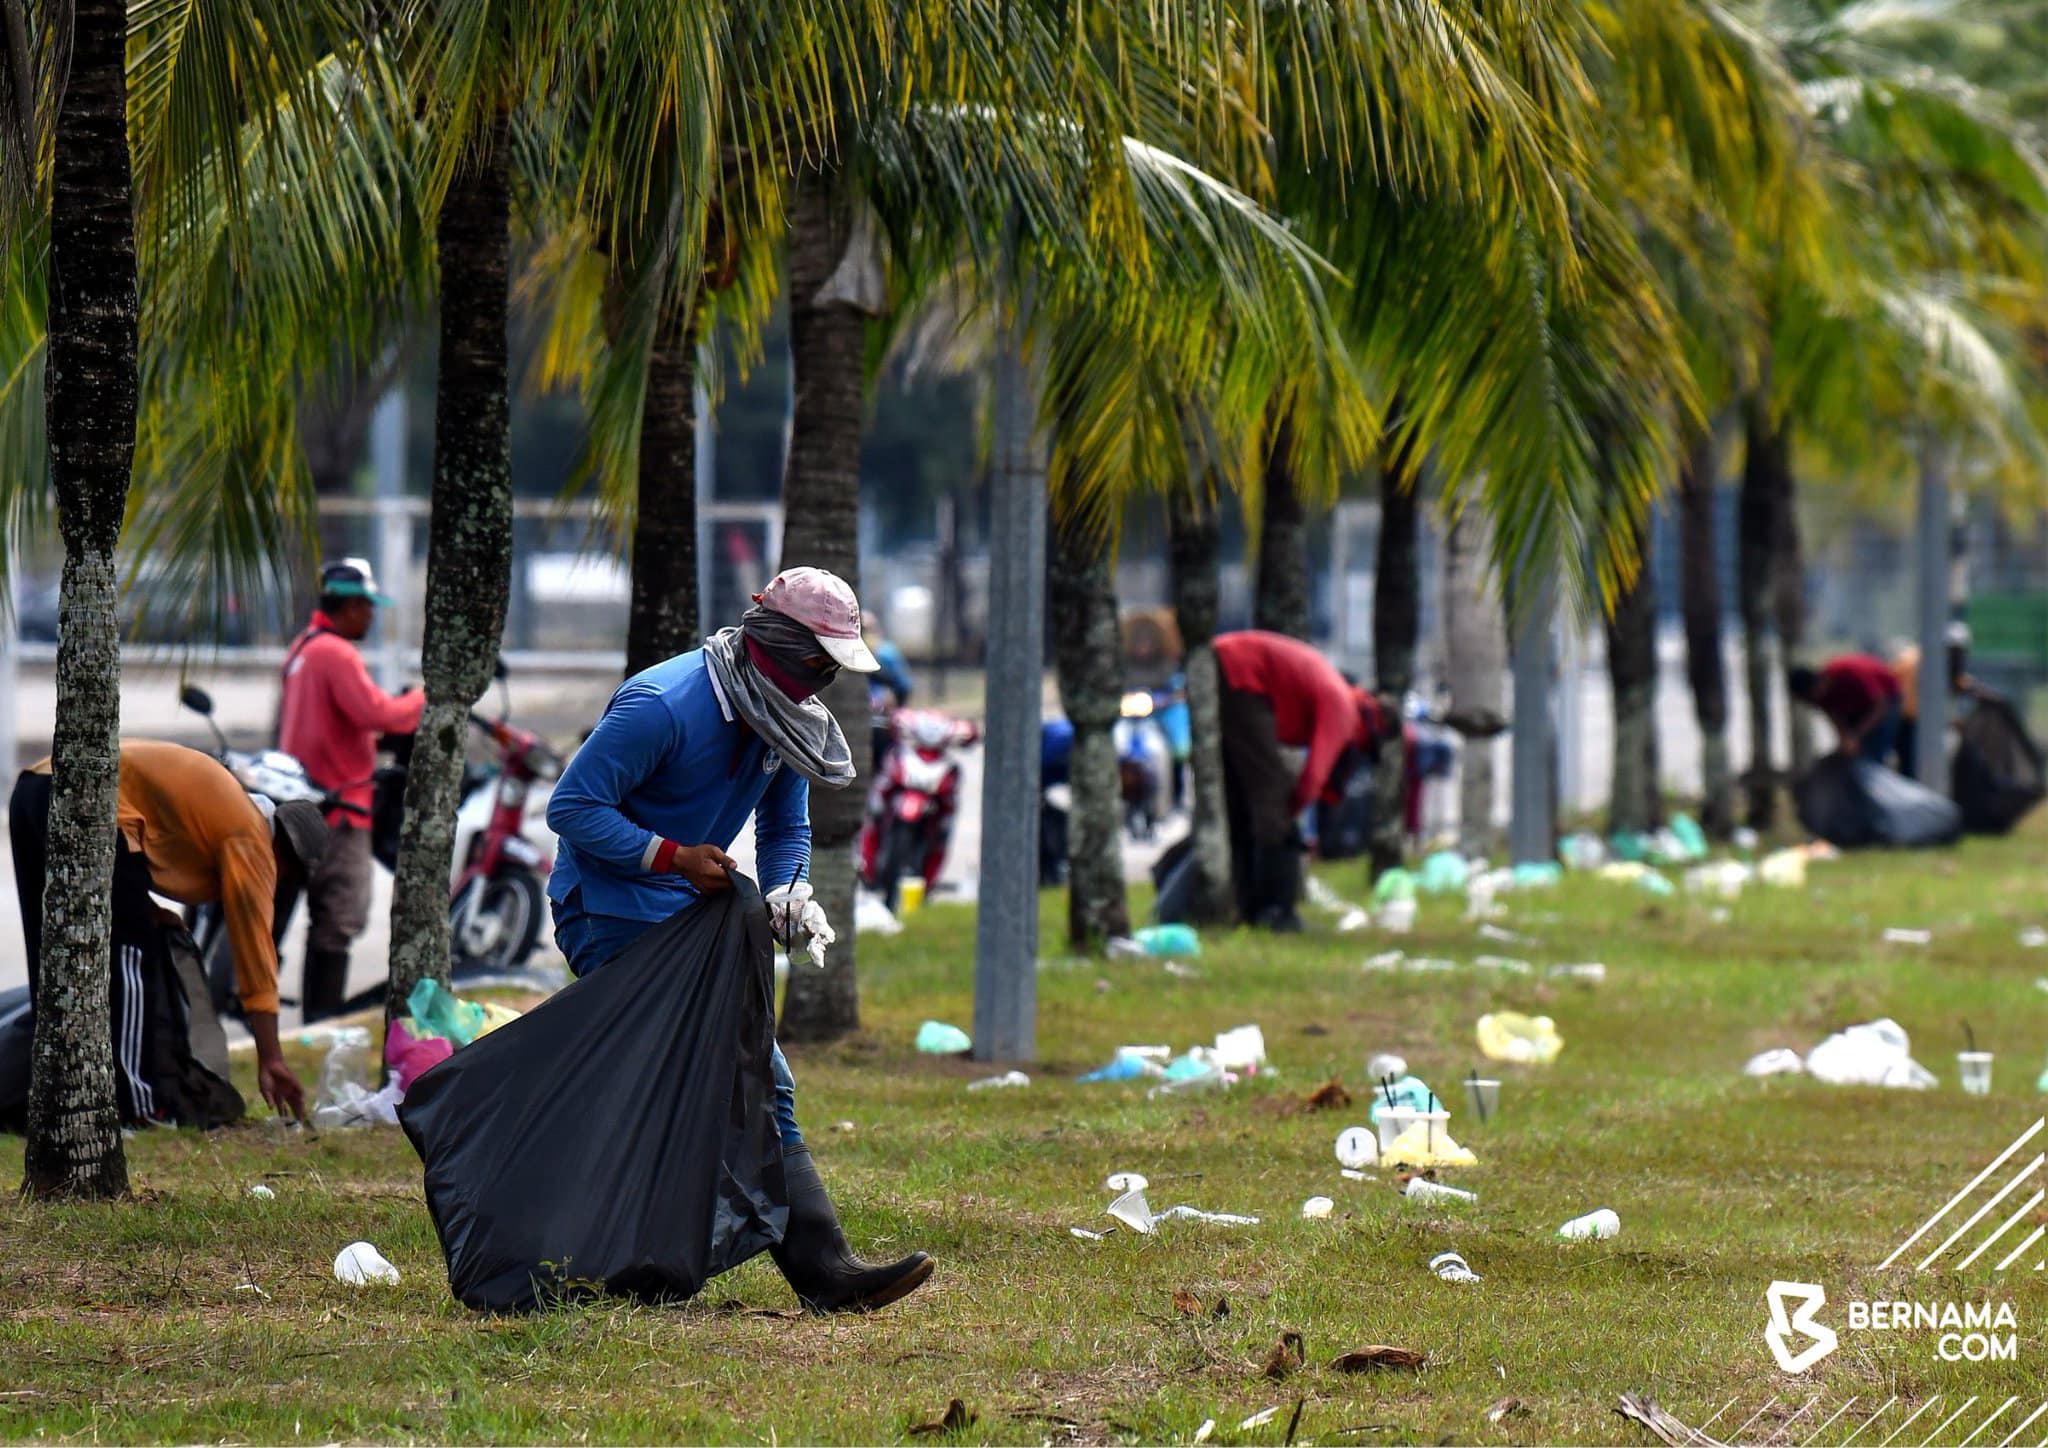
(818,1264)
(325,987)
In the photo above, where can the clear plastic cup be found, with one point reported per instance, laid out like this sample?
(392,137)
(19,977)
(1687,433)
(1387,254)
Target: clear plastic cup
(1438,1125)
(1484,1097)
(1394,1120)
(1973,1069)
(1397,917)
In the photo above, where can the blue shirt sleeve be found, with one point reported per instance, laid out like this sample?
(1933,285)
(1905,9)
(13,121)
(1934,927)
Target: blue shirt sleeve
(782,830)
(636,733)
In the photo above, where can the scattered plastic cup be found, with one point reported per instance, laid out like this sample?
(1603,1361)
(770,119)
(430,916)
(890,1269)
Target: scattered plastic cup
(1397,916)
(1593,1227)
(1452,1268)
(1973,1069)
(1132,1210)
(262,1193)
(359,1264)
(1437,1128)
(909,896)
(1127,1181)
(1357,1147)
(1484,1097)
(1422,1189)
(1386,1065)
(1392,1121)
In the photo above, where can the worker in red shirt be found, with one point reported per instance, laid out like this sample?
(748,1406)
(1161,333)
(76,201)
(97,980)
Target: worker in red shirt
(329,720)
(1861,696)
(1277,692)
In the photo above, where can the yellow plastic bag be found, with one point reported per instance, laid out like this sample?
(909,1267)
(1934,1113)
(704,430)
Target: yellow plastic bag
(1415,1147)
(1784,868)
(1512,1036)
(495,1016)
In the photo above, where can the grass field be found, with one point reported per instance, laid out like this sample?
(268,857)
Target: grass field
(195,1312)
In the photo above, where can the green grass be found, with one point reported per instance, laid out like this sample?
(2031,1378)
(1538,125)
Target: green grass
(196,1312)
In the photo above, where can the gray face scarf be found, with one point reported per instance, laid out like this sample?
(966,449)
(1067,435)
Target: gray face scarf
(804,733)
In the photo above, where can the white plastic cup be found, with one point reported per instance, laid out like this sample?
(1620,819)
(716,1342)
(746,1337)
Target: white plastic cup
(1438,1126)
(359,1264)
(1973,1069)
(1132,1210)
(1386,1066)
(1593,1227)
(1484,1097)
(1316,1208)
(1422,1189)
(1357,1147)
(1397,917)
(1392,1122)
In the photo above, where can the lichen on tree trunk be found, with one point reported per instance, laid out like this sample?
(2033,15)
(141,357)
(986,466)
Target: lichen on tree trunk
(1193,544)
(1477,647)
(663,617)
(469,551)
(74,1136)
(1705,668)
(1632,675)
(821,527)
(1089,655)
(1281,604)
(1757,511)
(1396,600)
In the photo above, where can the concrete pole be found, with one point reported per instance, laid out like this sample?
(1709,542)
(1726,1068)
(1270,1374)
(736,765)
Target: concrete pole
(1006,922)
(10,686)
(1933,560)
(1571,712)
(394,531)
(1532,828)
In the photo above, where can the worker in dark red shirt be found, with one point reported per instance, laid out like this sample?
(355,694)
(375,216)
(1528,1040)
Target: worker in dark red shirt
(1277,692)
(1861,697)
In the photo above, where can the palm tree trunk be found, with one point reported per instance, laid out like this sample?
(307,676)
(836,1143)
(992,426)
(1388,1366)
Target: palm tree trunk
(1788,588)
(1757,515)
(74,1130)
(663,618)
(1705,668)
(1477,648)
(1193,543)
(1396,606)
(1632,671)
(1282,602)
(821,527)
(469,551)
(1089,656)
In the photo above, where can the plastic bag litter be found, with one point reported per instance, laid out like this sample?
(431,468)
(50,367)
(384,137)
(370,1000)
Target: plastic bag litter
(354,1106)
(1506,965)
(1422,1147)
(1168,940)
(1635,872)
(1317,1208)
(1318,893)
(1629,847)
(1876,1053)
(344,1072)
(1778,1061)
(1397,916)
(1395,884)
(1408,1093)
(407,1056)
(1537,874)
(2033,937)
(872,916)
(1452,1268)
(1007,1079)
(1724,878)
(1354,919)
(1582,851)
(936,1038)
(1902,935)
(1512,1036)
(1591,972)
(1186,1213)
(1242,1048)
(1785,869)
(359,1264)
(550,1169)
(1443,872)
(1127,1064)
(441,1013)
(1692,840)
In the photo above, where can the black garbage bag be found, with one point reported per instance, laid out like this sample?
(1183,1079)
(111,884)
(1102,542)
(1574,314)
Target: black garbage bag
(17,1044)
(1997,774)
(619,1137)
(1851,803)
(1173,882)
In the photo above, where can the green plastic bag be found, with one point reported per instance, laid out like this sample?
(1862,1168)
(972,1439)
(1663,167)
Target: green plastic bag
(1394,885)
(1443,873)
(441,1014)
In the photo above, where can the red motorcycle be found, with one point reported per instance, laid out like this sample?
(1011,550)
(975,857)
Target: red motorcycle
(910,810)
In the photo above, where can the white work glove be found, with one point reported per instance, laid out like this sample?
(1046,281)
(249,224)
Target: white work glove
(791,909)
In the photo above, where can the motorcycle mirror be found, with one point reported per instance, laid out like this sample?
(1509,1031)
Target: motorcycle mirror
(196,699)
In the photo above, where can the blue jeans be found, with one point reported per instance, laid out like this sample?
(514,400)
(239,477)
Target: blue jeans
(593,941)
(1883,737)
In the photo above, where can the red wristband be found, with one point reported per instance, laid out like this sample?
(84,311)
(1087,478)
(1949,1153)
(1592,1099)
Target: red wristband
(664,855)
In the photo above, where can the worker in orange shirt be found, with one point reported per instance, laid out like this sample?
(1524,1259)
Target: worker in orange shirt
(186,830)
(328,719)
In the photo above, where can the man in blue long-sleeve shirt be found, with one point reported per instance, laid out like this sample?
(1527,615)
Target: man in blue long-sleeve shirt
(647,809)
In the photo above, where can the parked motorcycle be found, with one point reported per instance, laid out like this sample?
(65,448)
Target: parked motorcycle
(1144,762)
(910,809)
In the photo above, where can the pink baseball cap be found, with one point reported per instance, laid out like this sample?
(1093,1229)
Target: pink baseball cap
(822,603)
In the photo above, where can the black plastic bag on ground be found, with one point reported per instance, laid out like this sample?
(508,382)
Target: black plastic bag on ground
(1852,803)
(1997,774)
(1173,882)
(619,1137)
